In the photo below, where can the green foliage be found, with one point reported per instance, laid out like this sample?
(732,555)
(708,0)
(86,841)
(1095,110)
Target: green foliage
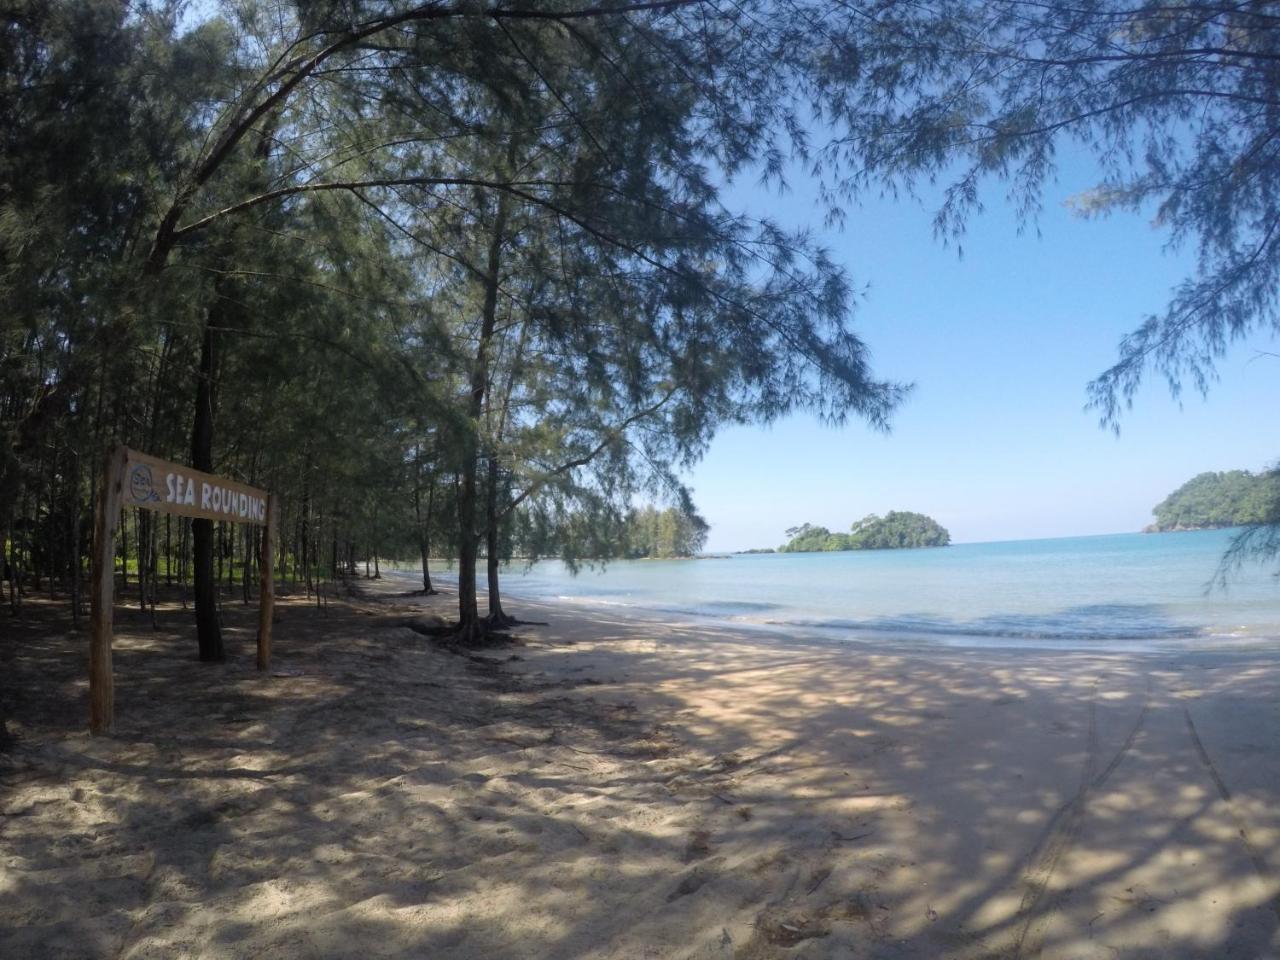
(806,538)
(590,529)
(1176,102)
(895,530)
(1212,500)
(434,274)
(653,533)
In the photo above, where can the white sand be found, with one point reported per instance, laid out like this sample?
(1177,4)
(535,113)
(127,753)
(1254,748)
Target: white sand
(640,791)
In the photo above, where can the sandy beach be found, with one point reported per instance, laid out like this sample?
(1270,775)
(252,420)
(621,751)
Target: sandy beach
(611,789)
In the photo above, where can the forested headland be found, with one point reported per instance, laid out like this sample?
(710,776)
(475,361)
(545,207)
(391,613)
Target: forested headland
(896,530)
(1213,500)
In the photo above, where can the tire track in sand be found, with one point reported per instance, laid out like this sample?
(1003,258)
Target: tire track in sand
(1064,828)
(1259,864)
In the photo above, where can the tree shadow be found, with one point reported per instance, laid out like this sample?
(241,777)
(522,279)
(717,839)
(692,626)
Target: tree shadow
(693,794)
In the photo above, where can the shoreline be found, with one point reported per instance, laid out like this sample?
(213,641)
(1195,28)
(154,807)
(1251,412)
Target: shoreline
(887,639)
(605,789)
(1061,760)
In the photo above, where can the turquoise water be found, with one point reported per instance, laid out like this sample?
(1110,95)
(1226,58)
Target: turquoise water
(1125,591)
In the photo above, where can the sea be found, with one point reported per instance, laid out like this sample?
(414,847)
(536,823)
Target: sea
(1122,592)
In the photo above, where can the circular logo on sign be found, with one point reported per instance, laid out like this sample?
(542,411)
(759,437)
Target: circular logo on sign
(141,485)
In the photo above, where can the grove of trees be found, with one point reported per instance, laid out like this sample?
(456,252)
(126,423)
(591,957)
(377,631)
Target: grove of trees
(443,277)
(446,275)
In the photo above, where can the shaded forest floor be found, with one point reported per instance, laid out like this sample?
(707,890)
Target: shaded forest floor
(609,789)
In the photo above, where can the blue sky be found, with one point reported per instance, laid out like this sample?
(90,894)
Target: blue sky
(995,442)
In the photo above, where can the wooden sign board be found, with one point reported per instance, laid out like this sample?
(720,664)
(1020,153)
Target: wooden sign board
(155,484)
(133,479)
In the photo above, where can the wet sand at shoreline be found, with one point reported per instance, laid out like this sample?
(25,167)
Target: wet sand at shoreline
(616,789)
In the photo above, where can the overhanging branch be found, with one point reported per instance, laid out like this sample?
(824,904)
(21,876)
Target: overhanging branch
(613,434)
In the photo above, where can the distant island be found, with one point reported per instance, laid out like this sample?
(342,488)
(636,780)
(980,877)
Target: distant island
(896,530)
(1211,500)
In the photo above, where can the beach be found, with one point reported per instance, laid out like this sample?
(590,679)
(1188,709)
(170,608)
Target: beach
(609,788)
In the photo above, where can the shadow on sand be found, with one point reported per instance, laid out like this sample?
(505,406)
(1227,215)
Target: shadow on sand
(595,795)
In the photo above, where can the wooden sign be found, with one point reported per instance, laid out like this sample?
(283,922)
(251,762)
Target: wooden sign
(155,484)
(133,479)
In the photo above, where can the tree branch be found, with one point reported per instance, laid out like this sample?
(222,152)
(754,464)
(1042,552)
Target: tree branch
(611,435)
(297,70)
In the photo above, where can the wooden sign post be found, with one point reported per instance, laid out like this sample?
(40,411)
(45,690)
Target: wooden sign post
(132,479)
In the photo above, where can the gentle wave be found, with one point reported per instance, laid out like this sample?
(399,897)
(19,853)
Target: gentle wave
(1025,630)
(595,601)
(711,608)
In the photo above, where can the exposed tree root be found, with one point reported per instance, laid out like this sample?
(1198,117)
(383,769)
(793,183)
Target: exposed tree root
(503,621)
(454,634)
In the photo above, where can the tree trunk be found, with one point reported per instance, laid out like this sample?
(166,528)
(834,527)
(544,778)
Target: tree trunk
(496,617)
(184,541)
(74,538)
(305,537)
(154,552)
(50,543)
(424,526)
(470,628)
(494,518)
(140,535)
(15,606)
(11,572)
(468,613)
(247,544)
(124,552)
(208,630)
